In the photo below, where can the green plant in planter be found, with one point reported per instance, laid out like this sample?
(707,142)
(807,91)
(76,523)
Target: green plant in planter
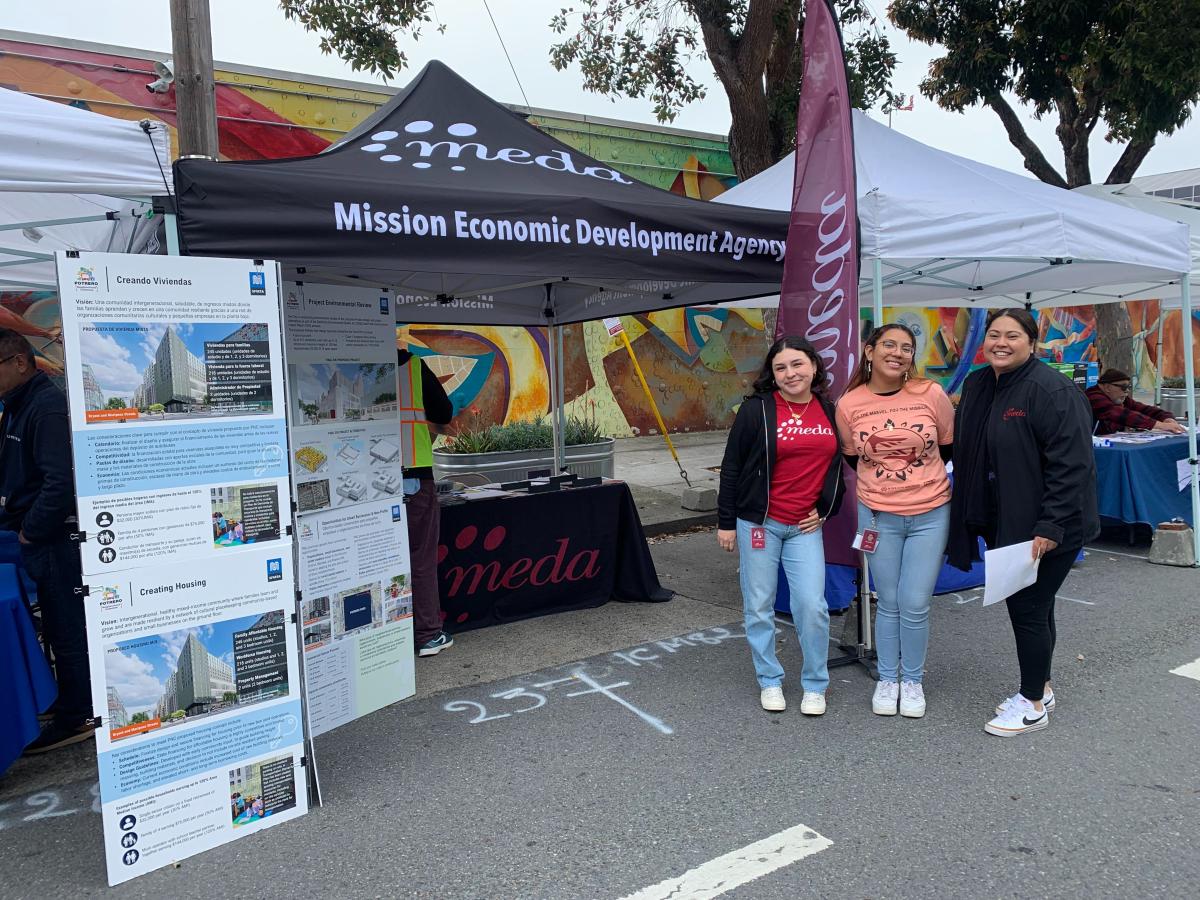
(532,434)
(1177,383)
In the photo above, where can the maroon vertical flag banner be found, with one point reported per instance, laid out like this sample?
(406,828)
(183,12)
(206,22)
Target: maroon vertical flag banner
(819,297)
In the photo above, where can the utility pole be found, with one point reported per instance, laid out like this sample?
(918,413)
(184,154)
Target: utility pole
(195,87)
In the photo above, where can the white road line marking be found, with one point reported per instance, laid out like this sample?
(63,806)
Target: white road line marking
(1189,670)
(1073,600)
(738,867)
(596,688)
(1113,552)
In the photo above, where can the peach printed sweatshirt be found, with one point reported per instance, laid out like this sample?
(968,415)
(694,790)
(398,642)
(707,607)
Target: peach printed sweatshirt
(896,438)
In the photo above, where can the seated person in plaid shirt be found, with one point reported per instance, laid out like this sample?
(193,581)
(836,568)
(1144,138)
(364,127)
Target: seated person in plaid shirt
(1113,409)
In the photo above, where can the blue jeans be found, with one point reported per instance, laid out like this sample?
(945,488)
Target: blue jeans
(803,559)
(905,568)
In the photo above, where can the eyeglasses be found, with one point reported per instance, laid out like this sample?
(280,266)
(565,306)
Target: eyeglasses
(7,358)
(892,347)
(1123,386)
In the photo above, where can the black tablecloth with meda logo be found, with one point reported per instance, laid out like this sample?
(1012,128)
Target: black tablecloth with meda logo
(511,558)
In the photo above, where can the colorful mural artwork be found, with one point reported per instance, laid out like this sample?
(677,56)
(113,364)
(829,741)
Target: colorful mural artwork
(699,362)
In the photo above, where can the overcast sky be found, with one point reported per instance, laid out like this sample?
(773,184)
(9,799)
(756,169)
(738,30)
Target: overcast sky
(254,32)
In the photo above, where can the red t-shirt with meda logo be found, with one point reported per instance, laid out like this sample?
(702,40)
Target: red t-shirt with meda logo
(805,444)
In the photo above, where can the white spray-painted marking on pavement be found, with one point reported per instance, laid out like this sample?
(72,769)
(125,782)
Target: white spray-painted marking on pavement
(1113,552)
(596,688)
(1073,600)
(717,876)
(1189,670)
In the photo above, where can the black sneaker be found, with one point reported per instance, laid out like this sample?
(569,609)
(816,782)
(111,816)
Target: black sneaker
(436,645)
(60,733)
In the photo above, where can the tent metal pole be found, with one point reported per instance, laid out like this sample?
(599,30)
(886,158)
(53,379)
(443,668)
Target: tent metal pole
(172,234)
(877,292)
(562,401)
(1189,376)
(1158,357)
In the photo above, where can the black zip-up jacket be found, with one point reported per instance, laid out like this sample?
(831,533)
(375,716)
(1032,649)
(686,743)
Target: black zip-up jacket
(749,458)
(1023,462)
(37,487)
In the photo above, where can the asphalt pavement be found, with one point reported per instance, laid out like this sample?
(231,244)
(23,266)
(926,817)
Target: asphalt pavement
(594,754)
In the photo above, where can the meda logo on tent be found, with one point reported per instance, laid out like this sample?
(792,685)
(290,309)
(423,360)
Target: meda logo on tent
(424,153)
(85,279)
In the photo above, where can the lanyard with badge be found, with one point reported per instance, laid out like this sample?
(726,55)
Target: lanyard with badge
(867,539)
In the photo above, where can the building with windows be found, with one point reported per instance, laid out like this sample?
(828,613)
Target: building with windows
(118,716)
(176,378)
(343,397)
(199,680)
(93,397)
(1183,185)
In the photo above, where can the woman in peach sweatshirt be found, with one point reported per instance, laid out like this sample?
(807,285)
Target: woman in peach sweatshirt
(901,429)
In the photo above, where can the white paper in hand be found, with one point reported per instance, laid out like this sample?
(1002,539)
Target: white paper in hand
(1183,471)
(1006,570)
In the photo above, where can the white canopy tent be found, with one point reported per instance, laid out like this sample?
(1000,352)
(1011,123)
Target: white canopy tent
(71,179)
(941,230)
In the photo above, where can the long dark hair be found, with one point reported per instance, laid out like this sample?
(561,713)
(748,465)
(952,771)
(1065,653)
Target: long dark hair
(862,374)
(765,383)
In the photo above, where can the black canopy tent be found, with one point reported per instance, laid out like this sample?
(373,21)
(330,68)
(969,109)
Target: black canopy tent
(471,215)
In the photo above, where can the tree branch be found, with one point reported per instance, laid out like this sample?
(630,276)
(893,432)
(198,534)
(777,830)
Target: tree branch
(1135,151)
(1035,161)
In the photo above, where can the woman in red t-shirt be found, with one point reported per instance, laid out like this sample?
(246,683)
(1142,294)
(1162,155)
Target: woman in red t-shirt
(780,479)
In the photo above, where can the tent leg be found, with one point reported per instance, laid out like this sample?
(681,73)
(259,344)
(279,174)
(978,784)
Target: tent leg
(877,292)
(1189,376)
(561,401)
(1158,357)
(552,373)
(172,234)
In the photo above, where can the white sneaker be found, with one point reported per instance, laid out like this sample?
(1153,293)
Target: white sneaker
(813,704)
(912,699)
(1018,717)
(772,700)
(883,701)
(1047,701)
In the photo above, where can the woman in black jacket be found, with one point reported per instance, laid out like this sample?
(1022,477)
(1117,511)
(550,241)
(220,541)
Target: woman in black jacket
(780,480)
(1023,471)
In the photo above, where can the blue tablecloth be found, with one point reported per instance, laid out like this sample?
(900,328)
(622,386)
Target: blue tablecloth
(1138,482)
(26,683)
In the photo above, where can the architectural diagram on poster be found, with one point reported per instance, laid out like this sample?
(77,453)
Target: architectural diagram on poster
(177,407)
(341,369)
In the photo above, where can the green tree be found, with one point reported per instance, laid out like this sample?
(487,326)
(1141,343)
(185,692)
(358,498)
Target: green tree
(1132,64)
(229,697)
(642,48)
(115,403)
(138,717)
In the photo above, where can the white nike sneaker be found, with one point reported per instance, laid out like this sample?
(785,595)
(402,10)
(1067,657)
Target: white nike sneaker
(772,700)
(1047,701)
(1018,717)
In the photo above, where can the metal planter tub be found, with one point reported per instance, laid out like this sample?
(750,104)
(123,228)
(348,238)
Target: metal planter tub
(514,465)
(1174,401)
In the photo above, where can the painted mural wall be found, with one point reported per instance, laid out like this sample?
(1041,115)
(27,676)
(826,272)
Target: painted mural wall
(699,362)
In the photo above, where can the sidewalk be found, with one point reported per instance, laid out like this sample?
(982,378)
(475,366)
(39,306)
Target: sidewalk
(645,464)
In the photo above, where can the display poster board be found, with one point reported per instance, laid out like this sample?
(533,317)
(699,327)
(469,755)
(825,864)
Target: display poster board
(356,590)
(177,406)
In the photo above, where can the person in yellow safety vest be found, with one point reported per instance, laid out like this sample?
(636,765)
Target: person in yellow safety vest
(422,400)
